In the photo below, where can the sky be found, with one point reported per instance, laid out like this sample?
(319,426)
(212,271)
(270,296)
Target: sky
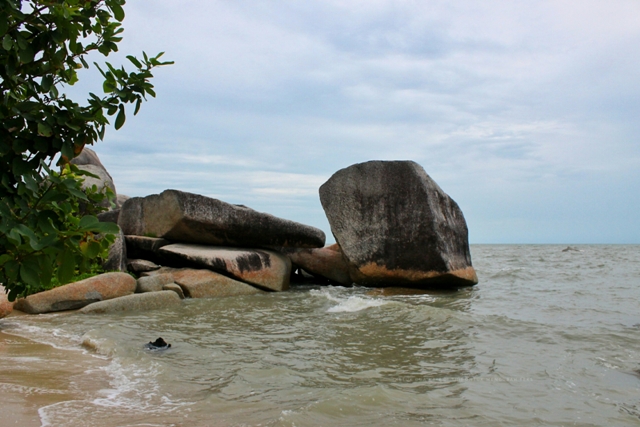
(525,112)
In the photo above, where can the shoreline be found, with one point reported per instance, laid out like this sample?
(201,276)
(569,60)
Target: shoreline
(34,375)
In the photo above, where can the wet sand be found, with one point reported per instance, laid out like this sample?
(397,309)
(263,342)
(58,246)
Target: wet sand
(35,375)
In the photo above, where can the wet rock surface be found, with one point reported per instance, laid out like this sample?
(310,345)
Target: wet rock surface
(185,217)
(79,294)
(265,269)
(134,302)
(396,226)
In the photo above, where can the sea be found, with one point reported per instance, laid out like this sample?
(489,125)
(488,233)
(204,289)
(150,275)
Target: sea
(550,336)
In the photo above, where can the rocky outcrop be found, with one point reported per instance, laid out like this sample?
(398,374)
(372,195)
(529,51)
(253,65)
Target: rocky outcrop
(327,262)
(207,284)
(6,307)
(79,294)
(265,269)
(397,227)
(191,218)
(135,302)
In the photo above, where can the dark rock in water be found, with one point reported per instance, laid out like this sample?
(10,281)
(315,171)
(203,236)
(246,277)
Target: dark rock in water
(265,269)
(191,218)
(571,249)
(397,227)
(158,344)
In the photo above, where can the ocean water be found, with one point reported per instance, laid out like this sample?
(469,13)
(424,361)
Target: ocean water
(547,338)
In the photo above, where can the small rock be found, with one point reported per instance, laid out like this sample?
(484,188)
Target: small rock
(79,294)
(175,288)
(138,266)
(134,302)
(153,283)
(6,307)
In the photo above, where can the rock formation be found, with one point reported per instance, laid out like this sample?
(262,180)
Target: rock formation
(184,217)
(397,227)
(265,269)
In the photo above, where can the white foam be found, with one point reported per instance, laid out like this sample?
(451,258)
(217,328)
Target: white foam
(355,303)
(348,304)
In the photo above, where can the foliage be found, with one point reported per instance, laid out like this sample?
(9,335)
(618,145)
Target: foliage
(43,44)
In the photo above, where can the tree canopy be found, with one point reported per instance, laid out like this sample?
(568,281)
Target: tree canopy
(44,233)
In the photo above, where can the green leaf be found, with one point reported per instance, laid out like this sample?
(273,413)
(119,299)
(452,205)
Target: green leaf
(134,61)
(88,221)
(27,54)
(5,258)
(120,118)
(66,265)
(7,42)
(106,228)
(92,249)
(11,269)
(29,272)
(44,129)
(118,12)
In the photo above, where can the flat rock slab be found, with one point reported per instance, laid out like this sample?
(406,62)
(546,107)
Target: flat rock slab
(207,284)
(135,302)
(396,226)
(265,269)
(192,218)
(326,262)
(6,307)
(79,294)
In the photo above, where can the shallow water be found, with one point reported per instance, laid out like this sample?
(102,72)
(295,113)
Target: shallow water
(547,338)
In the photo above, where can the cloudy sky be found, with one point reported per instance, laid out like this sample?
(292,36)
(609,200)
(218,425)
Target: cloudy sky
(525,112)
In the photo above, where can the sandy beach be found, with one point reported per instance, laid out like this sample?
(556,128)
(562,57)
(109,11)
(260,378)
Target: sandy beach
(35,375)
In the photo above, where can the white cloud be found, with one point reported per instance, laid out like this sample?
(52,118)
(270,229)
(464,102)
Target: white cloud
(510,104)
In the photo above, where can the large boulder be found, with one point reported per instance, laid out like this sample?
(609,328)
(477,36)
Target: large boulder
(6,306)
(397,227)
(207,284)
(191,218)
(76,295)
(327,262)
(135,302)
(265,269)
